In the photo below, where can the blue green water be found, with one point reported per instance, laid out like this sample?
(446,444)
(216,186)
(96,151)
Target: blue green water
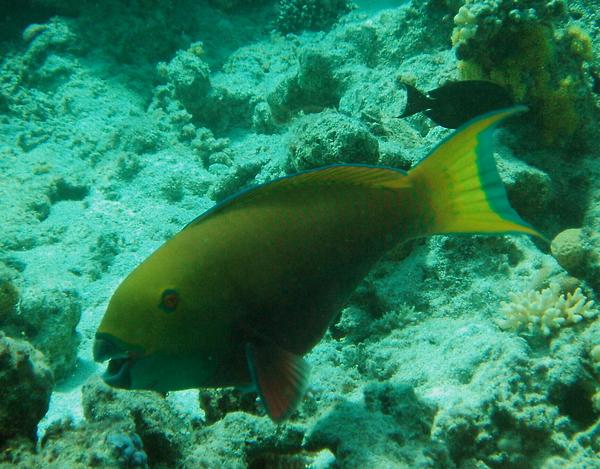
(122,121)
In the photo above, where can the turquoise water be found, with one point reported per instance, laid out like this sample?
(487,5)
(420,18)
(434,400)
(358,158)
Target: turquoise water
(122,121)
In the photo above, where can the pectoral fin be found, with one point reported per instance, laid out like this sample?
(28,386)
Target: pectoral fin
(280,378)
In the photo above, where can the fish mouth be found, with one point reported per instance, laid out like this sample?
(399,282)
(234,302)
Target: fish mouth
(117,373)
(120,358)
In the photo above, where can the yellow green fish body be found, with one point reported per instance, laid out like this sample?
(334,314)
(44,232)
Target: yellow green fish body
(240,294)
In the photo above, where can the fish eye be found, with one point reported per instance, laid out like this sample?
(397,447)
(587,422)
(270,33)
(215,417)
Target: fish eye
(169,300)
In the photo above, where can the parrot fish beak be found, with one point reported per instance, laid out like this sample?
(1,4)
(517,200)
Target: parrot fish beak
(120,356)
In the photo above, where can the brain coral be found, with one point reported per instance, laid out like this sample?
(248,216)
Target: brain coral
(545,311)
(568,249)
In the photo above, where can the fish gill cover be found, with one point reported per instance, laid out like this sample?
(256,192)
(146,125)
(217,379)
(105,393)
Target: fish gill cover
(122,121)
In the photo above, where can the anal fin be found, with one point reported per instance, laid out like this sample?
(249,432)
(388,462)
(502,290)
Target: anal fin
(280,377)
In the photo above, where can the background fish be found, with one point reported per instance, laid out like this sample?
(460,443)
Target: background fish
(456,102)
(245,290)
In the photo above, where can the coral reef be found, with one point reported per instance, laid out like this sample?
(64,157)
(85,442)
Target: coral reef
(132,42)
(232,5)
(545,311)
(569,250)
(392,422)
(45,318)
(121,121)
(330,137)
(187,76)
(9,301)
(296,15)
(311,89)
(88,445)
(539,415)
(162,432)
(25,386)
(216,403)
(129,449)
(523,47)
(48,319)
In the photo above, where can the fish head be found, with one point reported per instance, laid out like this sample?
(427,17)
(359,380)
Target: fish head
(149,332)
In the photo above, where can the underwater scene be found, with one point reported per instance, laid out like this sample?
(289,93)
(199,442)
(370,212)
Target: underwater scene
(300,234)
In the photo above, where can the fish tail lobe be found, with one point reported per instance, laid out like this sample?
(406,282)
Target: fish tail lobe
(415,101)
(458,186)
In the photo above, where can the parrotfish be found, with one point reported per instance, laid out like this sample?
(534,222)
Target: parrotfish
(246,289)
(456,102)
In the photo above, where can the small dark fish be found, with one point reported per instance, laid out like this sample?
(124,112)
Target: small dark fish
(456,102)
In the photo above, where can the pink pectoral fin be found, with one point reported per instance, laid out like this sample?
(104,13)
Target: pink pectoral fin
(280,378)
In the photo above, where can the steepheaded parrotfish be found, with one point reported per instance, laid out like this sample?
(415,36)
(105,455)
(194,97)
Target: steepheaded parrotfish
(456,102)
(246,289)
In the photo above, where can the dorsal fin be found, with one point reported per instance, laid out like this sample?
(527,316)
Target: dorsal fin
(374,177)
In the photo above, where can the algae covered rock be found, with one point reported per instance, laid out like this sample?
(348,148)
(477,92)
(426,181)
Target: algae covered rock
(25,387)
(88,444)
(527,408)
(232,5)
(188,76)
(330,138)
(312,88)
(164,434)
(390,429)
(45,317)
(244,440)
(49,319)
(217,403)
(530,190)
(297,15)
(9,299)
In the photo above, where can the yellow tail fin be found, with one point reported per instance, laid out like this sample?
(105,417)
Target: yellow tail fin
(459,185)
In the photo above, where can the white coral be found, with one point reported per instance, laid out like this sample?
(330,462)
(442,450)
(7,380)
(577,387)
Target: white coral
(545,311)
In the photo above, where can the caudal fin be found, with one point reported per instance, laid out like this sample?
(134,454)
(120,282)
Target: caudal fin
(459,186)
(415,101)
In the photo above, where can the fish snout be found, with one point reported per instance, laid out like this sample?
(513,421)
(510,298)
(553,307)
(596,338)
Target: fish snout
(106,347)
(121,357)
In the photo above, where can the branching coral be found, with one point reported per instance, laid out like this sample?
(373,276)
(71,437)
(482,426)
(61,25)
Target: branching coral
(545,311)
